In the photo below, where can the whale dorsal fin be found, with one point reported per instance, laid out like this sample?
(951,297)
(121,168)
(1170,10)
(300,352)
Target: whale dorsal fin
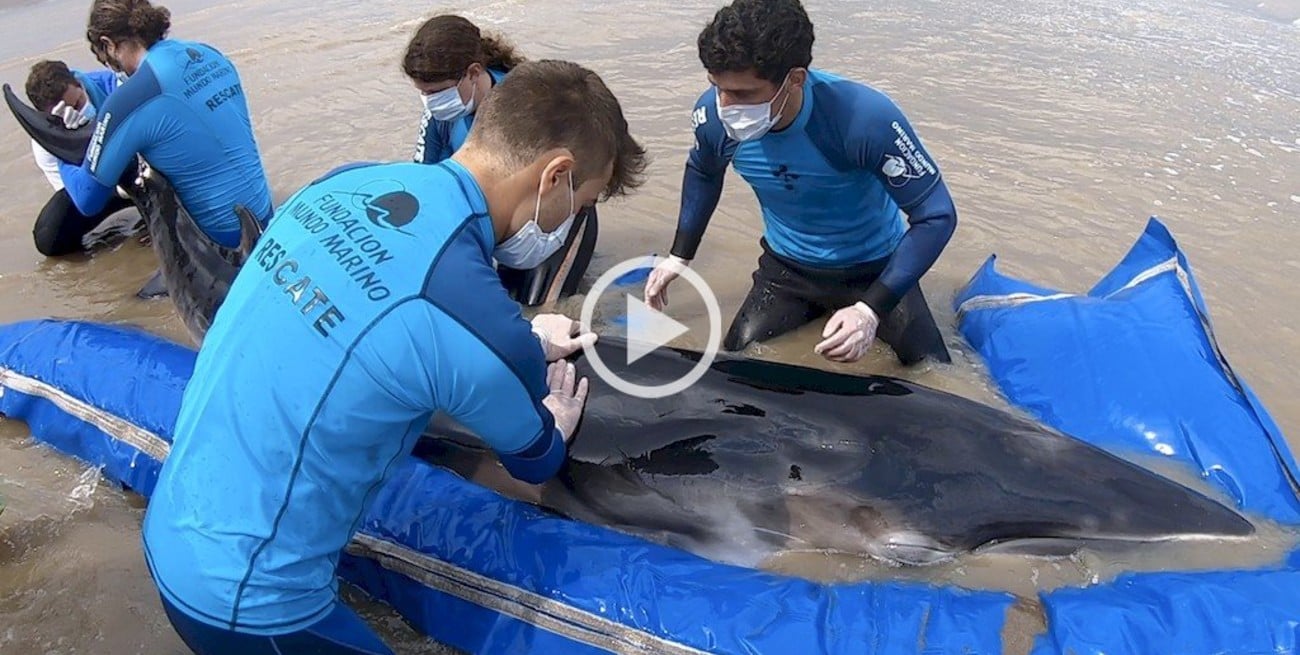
(249,230)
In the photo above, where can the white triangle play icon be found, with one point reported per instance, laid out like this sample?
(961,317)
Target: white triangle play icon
(647,329)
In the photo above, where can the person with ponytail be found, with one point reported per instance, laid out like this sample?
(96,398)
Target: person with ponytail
(182,108)
(454,66)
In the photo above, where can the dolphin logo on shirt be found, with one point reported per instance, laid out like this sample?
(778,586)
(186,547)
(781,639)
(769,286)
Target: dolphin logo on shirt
(387,204)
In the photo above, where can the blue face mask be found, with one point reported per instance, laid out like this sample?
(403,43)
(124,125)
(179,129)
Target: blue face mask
(530,246)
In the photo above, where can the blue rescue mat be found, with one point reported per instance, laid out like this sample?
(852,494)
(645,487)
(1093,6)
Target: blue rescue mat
(1133,366)
(471,568)
(1204,613)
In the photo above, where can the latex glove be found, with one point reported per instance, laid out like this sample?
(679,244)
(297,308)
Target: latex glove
(656,286)
(566,399)
(848,334)
(560,335)
(72,119)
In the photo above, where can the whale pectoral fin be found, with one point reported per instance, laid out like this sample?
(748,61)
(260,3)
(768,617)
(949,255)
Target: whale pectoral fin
(907,547)
(156,287)
(1033,547)
(249,230)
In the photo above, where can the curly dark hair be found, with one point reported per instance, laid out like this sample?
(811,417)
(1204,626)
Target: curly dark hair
(47,82)
(769,37)
(126,20)
(446,45)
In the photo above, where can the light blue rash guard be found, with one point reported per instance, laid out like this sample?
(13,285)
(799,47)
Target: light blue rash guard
(368,305)
(439,139)
(838,187)
(98,85)
(184,111)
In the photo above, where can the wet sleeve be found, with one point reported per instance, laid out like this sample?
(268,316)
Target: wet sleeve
(130,120)
(497,382)
(433,145)
(105,79)
(87,194)
(882,140)
(430,361)
(492,398)
(491,371)
(706,168)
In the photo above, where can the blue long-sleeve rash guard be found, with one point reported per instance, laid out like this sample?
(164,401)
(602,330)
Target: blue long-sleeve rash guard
(847,182)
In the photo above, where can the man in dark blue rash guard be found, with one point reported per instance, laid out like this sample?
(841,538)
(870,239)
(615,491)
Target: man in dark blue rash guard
(369,304)
(854,208)
(183,110)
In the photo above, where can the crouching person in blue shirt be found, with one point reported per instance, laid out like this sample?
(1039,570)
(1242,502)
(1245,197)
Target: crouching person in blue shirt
(455,66)
(370,305)
(854,208)
(75,97)
(182,109)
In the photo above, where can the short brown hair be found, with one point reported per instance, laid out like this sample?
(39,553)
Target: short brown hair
(47,82)
(549,104)
(446,45)
(126,20)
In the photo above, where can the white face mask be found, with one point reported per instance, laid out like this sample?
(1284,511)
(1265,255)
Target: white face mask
(748,122)
(531,246)
(446,105)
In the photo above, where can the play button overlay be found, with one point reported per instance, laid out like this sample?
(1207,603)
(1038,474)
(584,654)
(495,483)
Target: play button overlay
(649,330)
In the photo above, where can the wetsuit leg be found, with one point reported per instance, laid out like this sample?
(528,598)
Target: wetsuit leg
(60,228)
(341,632)
(781,300)
(911,331)
(586,248)
(515,281)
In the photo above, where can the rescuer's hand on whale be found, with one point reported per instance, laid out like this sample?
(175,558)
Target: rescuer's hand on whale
(560,335)
(567,397)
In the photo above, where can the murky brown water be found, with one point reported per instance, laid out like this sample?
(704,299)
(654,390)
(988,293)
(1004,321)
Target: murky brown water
(1060,127)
